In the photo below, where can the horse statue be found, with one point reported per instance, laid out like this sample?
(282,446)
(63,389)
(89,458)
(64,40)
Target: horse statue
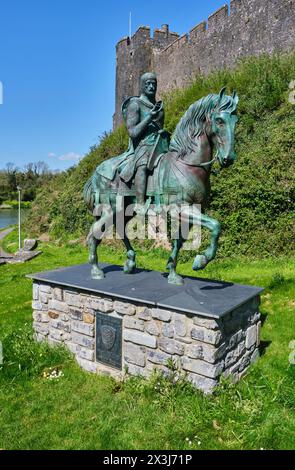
(181,177)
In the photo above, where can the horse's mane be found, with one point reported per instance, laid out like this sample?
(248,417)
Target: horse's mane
(191,125)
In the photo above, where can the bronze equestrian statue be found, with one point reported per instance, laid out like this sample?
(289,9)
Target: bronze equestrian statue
(163,172)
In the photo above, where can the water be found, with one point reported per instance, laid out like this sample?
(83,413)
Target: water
(8,217)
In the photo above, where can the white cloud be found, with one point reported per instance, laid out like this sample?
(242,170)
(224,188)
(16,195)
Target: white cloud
(51,155)
(70,156)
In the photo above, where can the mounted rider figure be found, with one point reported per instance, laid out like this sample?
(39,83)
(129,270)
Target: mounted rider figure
(144,119)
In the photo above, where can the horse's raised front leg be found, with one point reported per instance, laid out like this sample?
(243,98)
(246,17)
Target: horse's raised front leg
(195,217)
(214,227)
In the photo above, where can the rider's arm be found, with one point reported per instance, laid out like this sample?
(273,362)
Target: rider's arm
(134,126)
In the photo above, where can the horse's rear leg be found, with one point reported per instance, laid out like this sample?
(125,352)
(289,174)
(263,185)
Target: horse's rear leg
(130,263)
(173,277)
(93,243)
(94,239)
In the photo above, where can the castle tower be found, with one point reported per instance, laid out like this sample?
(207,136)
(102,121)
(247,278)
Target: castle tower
(135,57)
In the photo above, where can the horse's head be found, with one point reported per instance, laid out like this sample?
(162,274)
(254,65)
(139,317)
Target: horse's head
(221,127)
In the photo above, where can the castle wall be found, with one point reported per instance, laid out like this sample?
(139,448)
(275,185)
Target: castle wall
(250,28)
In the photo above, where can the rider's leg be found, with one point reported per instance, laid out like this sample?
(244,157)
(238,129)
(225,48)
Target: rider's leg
(140,184)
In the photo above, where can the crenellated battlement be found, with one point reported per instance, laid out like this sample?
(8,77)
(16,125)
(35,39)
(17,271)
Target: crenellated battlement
(247,28)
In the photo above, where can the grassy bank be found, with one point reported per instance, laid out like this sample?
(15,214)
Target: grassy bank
(82,411)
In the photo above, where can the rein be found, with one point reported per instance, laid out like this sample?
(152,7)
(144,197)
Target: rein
(200,165)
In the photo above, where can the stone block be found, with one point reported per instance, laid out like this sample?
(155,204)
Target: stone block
(152,328)
(133,323)
(207,323)
(184,339)
(251,336)
(255,356)
(85,353)
(124,308)
(144,313)
(205,384)
(58,294)
(180,326)
(39,338)
(206,352)
(206,336)
(45,288)
(37,305)
(134,354)
(202,368)
(40,317)
(35,291)
(58,306)
(41,328)
(88,317)
(64,317)
(76,314)
(71,346)
(59,325)
(87,365)
(103,305)
(142,339)
(171,346)
(158,357)
(44,298)
(236,339)
(83,328)
(133,369)
(168,330)
(73,299)
(160,314)
(53,315)
(82,340)
(53,342)
(56,334)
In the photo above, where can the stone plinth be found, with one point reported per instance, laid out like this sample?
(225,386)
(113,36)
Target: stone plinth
(137,323)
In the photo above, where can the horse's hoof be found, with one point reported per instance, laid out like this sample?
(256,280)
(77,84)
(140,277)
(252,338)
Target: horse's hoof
(200,262)
(97,273)
(175,279)
(129,267)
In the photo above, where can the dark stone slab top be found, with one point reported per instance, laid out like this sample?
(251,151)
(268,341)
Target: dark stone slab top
(197,296)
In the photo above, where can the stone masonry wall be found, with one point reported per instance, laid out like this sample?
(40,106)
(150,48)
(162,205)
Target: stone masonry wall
(250,28)
(201,348)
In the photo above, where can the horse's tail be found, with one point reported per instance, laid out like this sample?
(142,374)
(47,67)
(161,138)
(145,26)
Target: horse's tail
(89,192)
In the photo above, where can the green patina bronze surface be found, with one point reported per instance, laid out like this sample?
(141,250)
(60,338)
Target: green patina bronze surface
(163,172)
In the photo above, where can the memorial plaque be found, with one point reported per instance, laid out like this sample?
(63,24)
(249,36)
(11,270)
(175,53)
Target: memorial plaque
(109,340)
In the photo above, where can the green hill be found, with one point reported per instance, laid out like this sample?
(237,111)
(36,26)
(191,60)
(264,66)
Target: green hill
(254,199)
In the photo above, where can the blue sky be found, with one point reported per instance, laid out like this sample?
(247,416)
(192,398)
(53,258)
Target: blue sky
(57,68)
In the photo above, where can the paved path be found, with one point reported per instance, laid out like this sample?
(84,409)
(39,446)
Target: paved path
(3,234)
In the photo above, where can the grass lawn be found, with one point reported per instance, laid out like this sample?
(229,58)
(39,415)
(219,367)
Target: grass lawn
(84,411)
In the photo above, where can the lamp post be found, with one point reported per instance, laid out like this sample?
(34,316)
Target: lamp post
(19,218)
